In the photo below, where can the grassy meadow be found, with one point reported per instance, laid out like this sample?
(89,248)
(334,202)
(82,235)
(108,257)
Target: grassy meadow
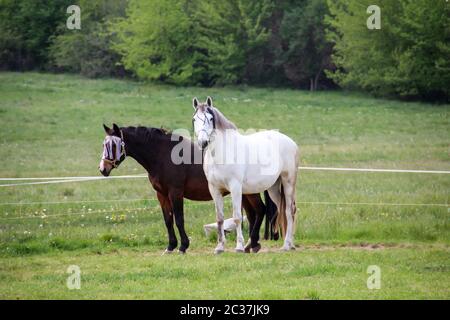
(51,126)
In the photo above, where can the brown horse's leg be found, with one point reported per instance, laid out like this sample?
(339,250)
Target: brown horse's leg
(251,219)
(259,210)
(271,216)
(176,200)
(168,219)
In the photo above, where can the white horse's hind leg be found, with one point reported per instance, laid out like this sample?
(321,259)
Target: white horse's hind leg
(218,201)
(236,198)
(288,183)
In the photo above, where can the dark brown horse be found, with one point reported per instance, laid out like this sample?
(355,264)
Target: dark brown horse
(152,148)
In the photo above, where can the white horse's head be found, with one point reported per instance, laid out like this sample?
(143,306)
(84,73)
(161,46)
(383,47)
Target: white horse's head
(203,121)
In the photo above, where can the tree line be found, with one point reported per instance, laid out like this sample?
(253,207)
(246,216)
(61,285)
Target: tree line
(307,44)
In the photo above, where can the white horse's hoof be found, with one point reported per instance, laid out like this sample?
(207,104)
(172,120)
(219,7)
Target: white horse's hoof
(239,250)
(284,249)
(167,252)
(218,251)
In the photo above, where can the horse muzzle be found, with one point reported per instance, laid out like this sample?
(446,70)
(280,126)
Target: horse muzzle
(105,172)
(203,144)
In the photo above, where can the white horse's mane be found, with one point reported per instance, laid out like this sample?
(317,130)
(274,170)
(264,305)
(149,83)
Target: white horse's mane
(222,123)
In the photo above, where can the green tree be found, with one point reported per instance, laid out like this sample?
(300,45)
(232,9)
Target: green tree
(25,29)
(307,52)
(88,51)
(192,41)
(233,34)
(407,57)
(157,41)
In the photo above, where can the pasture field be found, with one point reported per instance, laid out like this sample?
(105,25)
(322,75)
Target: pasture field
(51,126)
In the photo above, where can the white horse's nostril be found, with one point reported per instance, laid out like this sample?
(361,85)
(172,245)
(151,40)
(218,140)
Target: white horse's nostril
(202,143)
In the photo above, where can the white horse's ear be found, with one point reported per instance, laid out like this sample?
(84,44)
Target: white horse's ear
(195,103)
(209,101)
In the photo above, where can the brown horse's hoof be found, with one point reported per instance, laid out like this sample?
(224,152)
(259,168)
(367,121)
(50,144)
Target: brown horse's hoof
(181,251)
(247,248)
(256,248)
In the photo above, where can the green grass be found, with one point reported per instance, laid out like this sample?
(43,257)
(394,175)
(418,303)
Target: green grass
(51,125)
(332,273)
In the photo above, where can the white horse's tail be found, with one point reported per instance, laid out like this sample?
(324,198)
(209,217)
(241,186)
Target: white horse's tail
(281,215)
(294,211)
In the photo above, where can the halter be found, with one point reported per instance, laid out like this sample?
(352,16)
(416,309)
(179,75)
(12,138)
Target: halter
(204,121)
(116,162)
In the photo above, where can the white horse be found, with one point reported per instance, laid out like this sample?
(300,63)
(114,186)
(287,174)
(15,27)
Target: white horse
(246,164)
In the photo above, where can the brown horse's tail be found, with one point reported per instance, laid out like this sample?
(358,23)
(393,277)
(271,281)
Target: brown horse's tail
(281,216)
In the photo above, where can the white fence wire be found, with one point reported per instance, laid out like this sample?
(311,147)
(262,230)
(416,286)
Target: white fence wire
(55,180)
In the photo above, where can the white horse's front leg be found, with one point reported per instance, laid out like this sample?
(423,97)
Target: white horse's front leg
(218,201)
(236,197)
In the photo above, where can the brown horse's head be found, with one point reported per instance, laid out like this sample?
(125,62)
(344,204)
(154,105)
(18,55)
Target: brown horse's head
(113,150)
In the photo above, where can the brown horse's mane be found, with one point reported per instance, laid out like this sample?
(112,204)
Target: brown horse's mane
(148,133)
(150,146)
